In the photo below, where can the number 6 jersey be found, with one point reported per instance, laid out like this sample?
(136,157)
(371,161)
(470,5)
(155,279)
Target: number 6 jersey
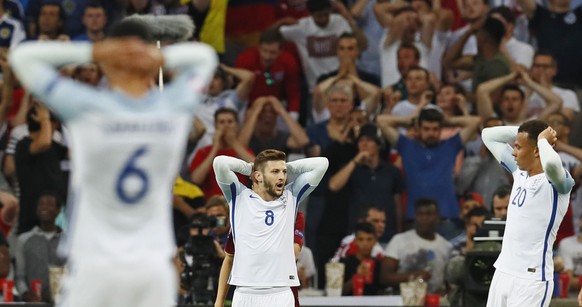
(125,151)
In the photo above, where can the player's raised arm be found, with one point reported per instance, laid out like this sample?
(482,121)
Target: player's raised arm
(197,58)
(34,63)
(497,140)
(224,169)
(310,171)
(551,162)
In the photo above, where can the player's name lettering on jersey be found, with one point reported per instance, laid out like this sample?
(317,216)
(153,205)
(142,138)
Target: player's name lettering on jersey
(156,126)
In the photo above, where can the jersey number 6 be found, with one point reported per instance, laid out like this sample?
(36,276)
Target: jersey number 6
(130,170)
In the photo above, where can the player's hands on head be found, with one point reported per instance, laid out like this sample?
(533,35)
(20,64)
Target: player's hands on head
(128,54)
(549,134)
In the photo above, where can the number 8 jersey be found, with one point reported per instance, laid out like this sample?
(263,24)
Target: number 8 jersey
(262,231)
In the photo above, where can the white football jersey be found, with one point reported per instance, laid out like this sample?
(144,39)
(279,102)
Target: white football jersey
(537,205)
(535,212)
(262,231)
(125,151)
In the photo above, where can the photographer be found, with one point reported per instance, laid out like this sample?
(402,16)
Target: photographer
(217,211)
(199,258)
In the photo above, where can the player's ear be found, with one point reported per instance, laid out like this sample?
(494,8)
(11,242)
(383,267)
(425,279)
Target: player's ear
(257,177)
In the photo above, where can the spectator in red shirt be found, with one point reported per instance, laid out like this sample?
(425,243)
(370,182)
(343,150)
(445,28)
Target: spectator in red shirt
(276,71)
(225,142)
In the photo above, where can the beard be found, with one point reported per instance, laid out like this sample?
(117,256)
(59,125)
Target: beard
(271,189)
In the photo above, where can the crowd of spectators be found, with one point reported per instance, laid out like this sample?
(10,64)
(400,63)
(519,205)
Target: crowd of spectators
(393,92)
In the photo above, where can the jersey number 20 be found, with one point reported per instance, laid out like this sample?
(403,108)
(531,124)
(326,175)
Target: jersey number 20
(130,170)
(519,197)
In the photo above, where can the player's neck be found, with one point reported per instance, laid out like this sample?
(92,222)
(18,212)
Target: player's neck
(263,194)
(133,87)
(535,170)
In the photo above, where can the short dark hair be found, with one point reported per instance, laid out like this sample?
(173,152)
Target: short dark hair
(404,9)
(425,202)
(430,115)
(505,13)
(513,87)
(270,36)
(227,111)
(365,227)
(457,88)
(268,155)
(32,124)
(314,6)
(365,212)
(50,193)
(565,118)
(132,27)
(411,46)
(495,29)
(94,5)
(477,211)
(426,72)
(546,53)
(533,128)
(502,191)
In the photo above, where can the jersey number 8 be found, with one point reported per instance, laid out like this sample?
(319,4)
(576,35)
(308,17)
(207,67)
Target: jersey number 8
(269,218)
(130,170)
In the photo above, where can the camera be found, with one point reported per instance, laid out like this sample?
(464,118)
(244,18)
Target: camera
(479,262)
(200,259)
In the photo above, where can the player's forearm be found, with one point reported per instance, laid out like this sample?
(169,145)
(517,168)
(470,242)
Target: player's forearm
(227,164)
(552,165)
(198,56)
(497,139)
(317,166)
(222,280)
(34,62)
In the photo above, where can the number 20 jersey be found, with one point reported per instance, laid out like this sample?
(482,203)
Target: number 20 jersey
(535,212)
(263,236)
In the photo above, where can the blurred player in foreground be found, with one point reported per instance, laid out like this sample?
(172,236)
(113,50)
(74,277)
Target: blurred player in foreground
(127,144)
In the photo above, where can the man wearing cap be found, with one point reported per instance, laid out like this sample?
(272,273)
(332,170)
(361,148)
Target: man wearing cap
(373,181)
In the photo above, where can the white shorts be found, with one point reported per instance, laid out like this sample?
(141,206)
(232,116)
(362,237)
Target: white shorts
(147,283)
(510,291)
(283,298)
